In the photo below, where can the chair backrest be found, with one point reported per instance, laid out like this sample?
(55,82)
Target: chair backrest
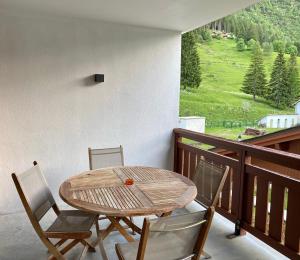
(100,158)
(209,179)
(175,237)
(34,192)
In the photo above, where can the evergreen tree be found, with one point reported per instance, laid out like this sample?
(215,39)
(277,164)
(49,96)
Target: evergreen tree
(292,50)
(205,34)
(279,46)
(297,44)
(190,63)
(251,44)
(293,80)
(255,78)
(278,85)
(240,45)
(267,48)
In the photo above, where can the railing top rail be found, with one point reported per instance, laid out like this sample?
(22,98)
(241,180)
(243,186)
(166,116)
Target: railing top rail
(290,160)
(273,176)
(218,157)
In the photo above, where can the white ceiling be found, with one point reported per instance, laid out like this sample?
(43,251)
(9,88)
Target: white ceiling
(179,15)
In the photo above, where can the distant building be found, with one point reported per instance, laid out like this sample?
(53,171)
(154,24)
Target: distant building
(279,121)
(282,121)
(193,123)
(297,107)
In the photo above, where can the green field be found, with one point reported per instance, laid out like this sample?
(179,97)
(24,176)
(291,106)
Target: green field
(233,133)
(219,97)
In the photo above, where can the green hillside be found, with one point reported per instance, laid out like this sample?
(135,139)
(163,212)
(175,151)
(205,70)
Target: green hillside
(266,21)
(219,97)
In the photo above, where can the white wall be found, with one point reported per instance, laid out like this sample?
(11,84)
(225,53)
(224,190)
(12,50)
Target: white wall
(193,123)
(280,121)
(51,111)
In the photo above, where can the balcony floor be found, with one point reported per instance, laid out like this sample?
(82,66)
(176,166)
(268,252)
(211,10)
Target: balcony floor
(19,241)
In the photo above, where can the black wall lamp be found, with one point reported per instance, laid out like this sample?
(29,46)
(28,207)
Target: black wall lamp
(99,78)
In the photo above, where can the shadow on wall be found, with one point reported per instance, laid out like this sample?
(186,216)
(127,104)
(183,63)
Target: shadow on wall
(88,81)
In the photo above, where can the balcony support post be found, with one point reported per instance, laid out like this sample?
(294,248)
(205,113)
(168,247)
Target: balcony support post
(243,159)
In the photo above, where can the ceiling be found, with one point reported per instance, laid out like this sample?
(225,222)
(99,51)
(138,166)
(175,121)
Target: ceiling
(179,15)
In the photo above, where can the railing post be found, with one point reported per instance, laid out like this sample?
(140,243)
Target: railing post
(243,158)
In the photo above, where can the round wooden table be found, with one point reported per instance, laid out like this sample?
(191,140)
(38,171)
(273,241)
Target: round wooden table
(103,191)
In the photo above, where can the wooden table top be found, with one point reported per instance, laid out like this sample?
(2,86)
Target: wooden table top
(103,191)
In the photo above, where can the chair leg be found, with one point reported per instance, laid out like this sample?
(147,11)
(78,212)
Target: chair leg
(91,247)
(55,253)
(60,242)
(84,251)
(69,246)
(100,242)
(131,219)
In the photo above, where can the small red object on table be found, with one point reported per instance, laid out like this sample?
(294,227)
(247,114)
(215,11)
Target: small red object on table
(129,181)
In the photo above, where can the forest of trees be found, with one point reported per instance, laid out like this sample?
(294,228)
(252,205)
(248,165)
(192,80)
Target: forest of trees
(274,22)
(263,28)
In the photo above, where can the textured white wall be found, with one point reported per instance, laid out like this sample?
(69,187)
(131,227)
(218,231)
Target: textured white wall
(280,121)
(51,111)
(193,123)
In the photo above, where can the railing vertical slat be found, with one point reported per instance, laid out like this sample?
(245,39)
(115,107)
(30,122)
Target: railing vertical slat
(235,192)
(261,204)
(248,198)
(193,161)
(276,212)
(180,161)
(292,233)
(186,162)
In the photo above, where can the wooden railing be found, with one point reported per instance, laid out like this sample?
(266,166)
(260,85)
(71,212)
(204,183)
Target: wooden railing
(261,201)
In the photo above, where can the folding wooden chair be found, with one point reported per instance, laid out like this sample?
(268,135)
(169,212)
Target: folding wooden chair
(169,238)
(72,225)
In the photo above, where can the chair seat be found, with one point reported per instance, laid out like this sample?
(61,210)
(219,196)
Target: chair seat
(72,224)
(158,247)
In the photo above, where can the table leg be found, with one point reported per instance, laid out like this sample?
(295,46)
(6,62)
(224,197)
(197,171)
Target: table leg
(122,230)
(132,225)
(115,225)
(109,229)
